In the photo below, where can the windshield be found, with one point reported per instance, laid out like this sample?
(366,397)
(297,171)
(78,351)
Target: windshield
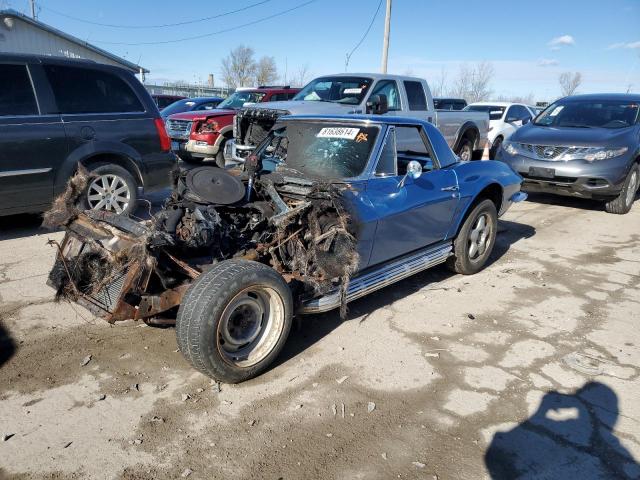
(178,107)
(321,150)
(348,90)
(590,114)
(495,112)
(238,99)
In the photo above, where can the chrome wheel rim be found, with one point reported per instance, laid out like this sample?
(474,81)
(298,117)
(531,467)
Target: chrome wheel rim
(465,154)
(108,192)
(633,187)
(250,326)
(479,237)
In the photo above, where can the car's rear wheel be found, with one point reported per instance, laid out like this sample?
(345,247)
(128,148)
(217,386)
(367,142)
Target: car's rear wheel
(474,243)
(623,202)
(234,320)
(111,188)
(465,150)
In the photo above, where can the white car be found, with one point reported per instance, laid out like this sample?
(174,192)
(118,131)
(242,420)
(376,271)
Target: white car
(504,119)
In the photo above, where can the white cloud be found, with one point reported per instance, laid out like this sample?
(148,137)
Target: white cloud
(630,45)
(561,41)
(548,62)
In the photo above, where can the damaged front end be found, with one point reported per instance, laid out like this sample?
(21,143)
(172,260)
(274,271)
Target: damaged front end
(251,127)
(122,269)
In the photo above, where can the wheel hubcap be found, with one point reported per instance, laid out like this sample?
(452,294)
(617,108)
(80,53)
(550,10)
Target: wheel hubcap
(633,187)
(479,237)
(251,326)
(465,154)
(108,192)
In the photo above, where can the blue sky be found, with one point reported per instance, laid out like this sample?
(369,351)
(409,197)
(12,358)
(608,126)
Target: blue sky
(600,39)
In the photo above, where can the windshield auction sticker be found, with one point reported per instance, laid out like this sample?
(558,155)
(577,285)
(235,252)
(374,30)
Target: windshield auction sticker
(338,132)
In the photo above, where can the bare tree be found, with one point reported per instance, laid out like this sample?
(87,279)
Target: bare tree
(239,67)
(473,82)
(301,77)
(524,99)
(438,86)
(569,82)
(266,71)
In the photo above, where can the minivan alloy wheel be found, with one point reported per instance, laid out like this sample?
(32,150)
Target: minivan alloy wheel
(108,192)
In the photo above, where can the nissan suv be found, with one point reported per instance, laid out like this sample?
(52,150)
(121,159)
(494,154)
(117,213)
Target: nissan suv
(584,146)
(56,113)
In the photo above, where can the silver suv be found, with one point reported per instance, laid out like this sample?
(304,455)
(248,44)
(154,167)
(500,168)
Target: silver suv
(585,146)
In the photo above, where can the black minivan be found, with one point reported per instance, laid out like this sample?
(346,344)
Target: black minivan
(56,113)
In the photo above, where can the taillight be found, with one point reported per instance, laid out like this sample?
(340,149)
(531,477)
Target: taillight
(165,141)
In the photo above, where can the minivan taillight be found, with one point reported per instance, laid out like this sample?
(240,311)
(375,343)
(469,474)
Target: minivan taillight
(165,141)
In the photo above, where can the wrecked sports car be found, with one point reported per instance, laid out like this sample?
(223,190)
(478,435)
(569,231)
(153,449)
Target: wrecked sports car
(324,211)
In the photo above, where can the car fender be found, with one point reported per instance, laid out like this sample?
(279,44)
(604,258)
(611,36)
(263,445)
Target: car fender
(128,157)
(462,131)
(221,135)
(474,178)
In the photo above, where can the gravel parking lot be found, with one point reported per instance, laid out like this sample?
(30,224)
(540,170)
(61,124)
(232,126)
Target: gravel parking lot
(530,367)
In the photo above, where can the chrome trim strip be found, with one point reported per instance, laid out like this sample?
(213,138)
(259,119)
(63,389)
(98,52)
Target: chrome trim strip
(381,277)
(32,171)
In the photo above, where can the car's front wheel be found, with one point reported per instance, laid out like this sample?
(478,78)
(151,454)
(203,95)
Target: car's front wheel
(623,202)
(234,320)
(474,243)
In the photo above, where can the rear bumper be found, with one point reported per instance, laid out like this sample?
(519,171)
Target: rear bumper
(576,178)
(156,174)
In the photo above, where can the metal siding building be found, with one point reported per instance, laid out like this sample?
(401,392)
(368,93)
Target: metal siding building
(23,35)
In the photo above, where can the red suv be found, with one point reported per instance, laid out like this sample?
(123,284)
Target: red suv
(200,135)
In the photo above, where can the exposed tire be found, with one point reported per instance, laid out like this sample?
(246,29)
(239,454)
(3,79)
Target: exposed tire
(474,243)
(623,202)
(234,320)
(497,143)
(111,188)
(220,161)
(465,150)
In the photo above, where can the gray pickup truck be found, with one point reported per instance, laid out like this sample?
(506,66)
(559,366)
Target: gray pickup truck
(351,93)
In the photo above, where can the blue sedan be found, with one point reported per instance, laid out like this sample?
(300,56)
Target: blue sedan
(190,104)
(325,210)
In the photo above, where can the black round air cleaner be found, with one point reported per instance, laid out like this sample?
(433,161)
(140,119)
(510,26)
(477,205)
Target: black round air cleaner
(214,185)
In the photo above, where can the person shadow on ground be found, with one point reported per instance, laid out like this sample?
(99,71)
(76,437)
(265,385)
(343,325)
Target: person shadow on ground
(568,437)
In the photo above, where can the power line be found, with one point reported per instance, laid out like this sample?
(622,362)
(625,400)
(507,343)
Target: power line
(363,36)
(205,35)
(187,22)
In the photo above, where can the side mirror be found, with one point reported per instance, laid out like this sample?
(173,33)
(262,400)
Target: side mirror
(414,170)
(526,120)
(377,104)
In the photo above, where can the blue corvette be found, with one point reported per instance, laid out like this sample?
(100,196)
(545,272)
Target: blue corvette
(324,211)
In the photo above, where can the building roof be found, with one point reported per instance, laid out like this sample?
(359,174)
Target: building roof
(10,13)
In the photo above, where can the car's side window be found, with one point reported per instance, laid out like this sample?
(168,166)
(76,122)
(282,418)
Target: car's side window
(83,90)
(387,163)
(415,95)
(16,91)
(410,146)
(389,88)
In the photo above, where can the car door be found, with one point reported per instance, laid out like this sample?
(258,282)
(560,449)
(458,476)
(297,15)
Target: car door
(32,141)
(417,213)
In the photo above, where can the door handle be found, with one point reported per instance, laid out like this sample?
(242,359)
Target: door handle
(452,188)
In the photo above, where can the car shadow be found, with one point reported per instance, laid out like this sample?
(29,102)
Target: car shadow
(571,202)
(569,436)
(309,329)
(7,346)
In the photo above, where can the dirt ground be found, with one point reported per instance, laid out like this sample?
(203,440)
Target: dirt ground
(528,369)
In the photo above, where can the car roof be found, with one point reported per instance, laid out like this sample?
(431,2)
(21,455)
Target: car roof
(374,76)
(497,104)
(203,99)
(367,119)
(632,97)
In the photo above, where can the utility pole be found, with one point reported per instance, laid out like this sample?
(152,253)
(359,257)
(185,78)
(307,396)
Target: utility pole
(33,9)
(385,44)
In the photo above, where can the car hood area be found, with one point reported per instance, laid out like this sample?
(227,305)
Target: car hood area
(570,136)
(201,114)
(302,107)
